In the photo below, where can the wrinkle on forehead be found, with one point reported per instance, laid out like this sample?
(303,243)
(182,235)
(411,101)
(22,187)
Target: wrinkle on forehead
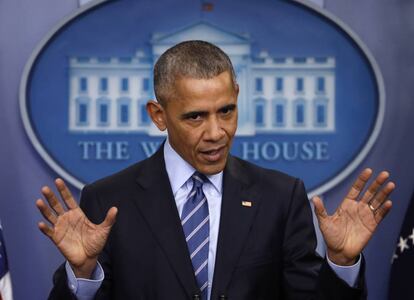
(203,88)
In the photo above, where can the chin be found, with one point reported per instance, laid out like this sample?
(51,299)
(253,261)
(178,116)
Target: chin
(212,169)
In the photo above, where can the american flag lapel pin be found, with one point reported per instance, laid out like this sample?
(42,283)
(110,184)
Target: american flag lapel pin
(247,203)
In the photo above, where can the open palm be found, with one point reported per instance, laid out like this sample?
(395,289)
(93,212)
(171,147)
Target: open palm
(348,230)
(78,239)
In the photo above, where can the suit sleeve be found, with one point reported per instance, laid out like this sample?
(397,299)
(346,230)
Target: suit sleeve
(96,214)
(306,274)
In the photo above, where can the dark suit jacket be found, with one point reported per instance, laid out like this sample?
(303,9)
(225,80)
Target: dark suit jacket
(265,251)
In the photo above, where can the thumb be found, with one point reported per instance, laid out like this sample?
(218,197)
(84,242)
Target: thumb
(110,217)
(320,210)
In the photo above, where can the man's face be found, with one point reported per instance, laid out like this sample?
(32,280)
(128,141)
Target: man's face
(201,121)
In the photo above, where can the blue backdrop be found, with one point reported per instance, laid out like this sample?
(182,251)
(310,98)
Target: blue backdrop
(384,26)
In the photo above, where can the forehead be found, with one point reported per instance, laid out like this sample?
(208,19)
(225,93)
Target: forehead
(187,88)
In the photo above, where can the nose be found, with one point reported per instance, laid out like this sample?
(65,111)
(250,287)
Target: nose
(214,131)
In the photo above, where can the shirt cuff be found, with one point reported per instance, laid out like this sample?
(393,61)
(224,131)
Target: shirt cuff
(85,289)
(349,274)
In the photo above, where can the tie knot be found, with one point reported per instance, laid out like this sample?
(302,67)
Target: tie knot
(198,179)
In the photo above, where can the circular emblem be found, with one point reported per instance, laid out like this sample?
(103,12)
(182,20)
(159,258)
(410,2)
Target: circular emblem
(311,99)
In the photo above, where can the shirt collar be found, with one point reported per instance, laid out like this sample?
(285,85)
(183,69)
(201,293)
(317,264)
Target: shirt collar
(179,171)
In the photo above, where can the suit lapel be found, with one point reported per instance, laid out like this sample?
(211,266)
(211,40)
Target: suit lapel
(235,223)
(158,207)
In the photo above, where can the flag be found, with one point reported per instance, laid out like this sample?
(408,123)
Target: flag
(402,270)
(5,281)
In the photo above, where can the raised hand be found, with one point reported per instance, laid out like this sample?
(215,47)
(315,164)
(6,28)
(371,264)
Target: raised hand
(79,240)
(349,229)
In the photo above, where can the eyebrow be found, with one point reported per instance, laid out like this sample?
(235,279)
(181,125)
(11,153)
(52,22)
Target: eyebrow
(193,113)
(204,113)
(229,107)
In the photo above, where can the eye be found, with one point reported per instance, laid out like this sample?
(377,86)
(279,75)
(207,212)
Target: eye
(194,116)
(227,110)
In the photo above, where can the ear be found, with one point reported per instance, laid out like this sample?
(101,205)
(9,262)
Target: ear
(156,113)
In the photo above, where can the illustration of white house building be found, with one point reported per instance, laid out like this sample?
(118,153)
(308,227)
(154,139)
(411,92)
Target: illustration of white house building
(277,94)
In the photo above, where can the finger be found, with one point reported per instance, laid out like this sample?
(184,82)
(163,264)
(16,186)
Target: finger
(110,217)
(382,195)
(66,194)
(383,210)
(359,184)
(46,211)
(320,210)
(374,187)
(52,200)
(48,231)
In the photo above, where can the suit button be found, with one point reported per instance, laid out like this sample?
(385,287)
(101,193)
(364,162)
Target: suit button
(223,297)
(196,297)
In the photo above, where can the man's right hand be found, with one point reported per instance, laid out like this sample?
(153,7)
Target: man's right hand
(78,239)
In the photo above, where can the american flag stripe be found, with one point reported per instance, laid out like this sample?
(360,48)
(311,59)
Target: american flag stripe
(5,282)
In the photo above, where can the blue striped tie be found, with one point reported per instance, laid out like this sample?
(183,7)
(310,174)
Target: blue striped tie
(196,225)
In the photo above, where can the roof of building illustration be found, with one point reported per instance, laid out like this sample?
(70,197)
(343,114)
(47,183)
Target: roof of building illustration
(206,30)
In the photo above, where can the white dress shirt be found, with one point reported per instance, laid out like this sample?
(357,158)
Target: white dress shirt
(179,173)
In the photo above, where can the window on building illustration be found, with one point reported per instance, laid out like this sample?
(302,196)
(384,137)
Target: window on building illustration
(258,85)
(103,110)
(103,113)
(299,84)
(82,111)
(320,85)
(279,112)
(260,112)
(83,84)
(321,59)
(145,84)
(124,84)
(320,112)
(142,111)
(83,59)
(125,60)
(300,60)
(124,111)
(279,84)
(104,60)
(299,112)
(103,84)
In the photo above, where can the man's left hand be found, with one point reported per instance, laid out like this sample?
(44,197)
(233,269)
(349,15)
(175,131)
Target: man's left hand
(349,229)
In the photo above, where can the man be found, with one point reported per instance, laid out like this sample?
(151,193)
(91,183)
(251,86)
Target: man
(194,222)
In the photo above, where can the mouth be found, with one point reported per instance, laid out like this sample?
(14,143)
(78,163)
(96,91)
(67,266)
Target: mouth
(213,155)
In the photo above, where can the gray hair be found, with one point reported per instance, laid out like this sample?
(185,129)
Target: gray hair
(192,59)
